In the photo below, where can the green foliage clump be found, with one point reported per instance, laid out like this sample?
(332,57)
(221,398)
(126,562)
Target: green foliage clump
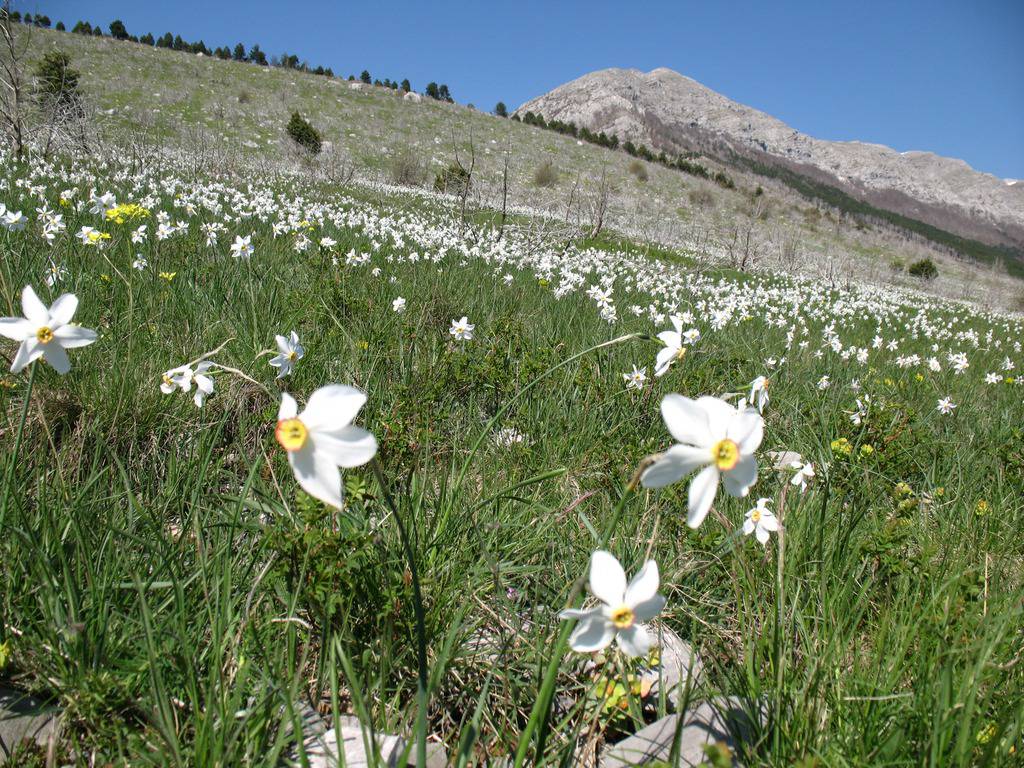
(546,174)
(453,180)
(56,83)
(924,269)
(304,134)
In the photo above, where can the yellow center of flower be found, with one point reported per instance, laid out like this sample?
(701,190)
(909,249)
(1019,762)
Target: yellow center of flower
(292,356)
(623,617)
(681,353)
(167,380)
(291,434)
(755,515)
(45,335)
(726,454)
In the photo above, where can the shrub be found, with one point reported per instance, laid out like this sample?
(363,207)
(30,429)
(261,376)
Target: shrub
(702,197)
(500,109)
(546,175)
(304,134)
(924,269)
(453,180)
(638,169)
(56,85)
(406,169)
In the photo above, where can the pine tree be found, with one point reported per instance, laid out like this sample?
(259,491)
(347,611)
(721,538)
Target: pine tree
(304,134)
(239,53)
(500,109)
(118,31)
(406,85)
(365,76)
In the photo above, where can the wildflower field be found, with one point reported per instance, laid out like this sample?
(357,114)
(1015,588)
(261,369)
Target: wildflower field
(270,446)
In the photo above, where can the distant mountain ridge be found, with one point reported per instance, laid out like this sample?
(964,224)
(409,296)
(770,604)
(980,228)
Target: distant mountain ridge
(669,111)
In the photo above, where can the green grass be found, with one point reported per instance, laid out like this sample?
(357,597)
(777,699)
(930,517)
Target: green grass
(171,589)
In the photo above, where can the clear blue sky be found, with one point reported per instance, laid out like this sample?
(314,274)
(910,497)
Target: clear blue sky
(934,75)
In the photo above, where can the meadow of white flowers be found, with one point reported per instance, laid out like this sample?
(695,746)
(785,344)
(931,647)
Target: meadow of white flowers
(874,402)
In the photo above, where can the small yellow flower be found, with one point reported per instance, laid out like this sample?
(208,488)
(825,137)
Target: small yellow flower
(842,447)
(981,508)
(105,278)
(363,345)
(866,450)
(919,377)
(168,276)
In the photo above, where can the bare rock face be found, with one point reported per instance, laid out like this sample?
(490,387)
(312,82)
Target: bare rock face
(668,111)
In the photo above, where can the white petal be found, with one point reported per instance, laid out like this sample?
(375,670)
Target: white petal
(204,384)
(579,613)
(288,407)
(671,339)
(648,609)
(607,579)
(29,351)
(35,311)
(644,585)
(332,408)
(762,534)
(739,479)
(73,336)
(719,416)
(747,430)
(282,344)
(635,641)
(56,356)
(663,361)
(686,420)
(63,309)
(351,447)
(748,527)
(770,522)
(673,465)
(15,328)
(702,493)
(317,475)
(592,634)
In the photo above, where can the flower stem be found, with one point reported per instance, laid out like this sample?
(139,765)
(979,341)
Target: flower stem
(421,636)
(14,460)
(542,706)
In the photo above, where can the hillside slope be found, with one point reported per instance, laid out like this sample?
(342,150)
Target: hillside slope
(225,109)
(669,111)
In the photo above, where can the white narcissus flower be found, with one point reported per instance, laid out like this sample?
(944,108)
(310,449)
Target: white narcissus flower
(945,406)
(636,379)
(674,349)
(289,351)
(45,333)
(759,393)
(625,608)
(713,437)
(760,521)
(176,378)
(242,247)
(462,329)
(398,305)
(204,383)
(804,472)
(322,438)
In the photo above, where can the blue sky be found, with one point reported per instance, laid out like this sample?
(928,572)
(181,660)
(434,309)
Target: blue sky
(935,75)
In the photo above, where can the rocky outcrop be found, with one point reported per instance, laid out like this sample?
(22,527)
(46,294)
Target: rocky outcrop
(668,111)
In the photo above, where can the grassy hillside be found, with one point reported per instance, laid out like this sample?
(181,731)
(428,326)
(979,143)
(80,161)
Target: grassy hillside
(172,591)
(146,94)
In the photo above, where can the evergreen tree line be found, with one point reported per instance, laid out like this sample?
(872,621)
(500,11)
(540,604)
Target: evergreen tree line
(254,55)
(681,162)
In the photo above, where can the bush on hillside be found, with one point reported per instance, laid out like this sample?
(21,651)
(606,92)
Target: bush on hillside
(406,169)
(638,170)
(546,175)
(453,180)
(924,269)
(304,134)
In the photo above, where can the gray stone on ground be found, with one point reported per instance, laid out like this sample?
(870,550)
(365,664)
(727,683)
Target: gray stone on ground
(22,717)
(715,721)
(678,664)
(323,750)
